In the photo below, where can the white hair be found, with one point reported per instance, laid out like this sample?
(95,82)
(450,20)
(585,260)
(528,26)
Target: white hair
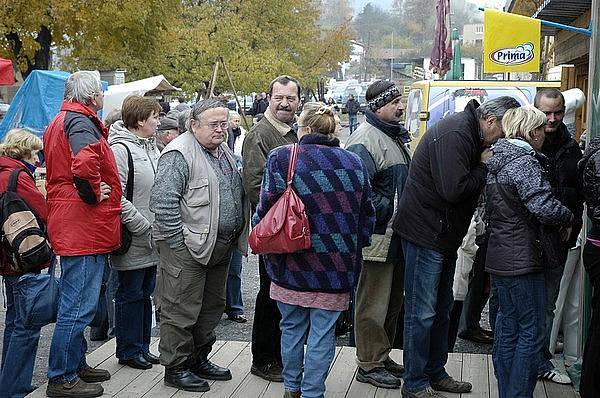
(82,86)
(233,114)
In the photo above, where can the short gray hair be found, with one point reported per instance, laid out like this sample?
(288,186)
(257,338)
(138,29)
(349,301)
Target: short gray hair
(182,120)
(497,107)
(200,107)
(82,86)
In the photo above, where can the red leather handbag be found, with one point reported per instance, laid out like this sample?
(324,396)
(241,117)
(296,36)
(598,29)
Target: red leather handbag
(285,228)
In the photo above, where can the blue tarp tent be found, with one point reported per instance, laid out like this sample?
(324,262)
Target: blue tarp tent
(37,102)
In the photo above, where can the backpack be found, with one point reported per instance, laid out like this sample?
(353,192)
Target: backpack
(23,233)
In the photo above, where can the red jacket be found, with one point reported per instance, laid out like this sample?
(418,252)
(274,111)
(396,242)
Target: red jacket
(27,190)
(78,158)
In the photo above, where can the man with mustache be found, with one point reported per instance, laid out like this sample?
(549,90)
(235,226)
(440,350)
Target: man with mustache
(563,154)
(381,144)
(272,131)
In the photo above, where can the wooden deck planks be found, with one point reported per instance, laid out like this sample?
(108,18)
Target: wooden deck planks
(341,383)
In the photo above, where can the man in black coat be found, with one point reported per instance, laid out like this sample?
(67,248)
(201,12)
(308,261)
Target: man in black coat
(446,177)
(563,154)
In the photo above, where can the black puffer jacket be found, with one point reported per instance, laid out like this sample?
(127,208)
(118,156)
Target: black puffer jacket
(444,182)
(517,191)
(590,169)
(562,158)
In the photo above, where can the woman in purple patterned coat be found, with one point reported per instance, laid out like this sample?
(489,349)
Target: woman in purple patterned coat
(312,287)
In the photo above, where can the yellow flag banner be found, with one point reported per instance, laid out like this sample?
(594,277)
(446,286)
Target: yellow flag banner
(511,43)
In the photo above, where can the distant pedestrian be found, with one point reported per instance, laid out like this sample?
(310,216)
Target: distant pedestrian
(202,214)
(352,106)
(168,129)
(446,177)
(84,211)
(182,105)
(272,131)
(312,287)
(235,133)
(518,200)
(19,151)
(132,140)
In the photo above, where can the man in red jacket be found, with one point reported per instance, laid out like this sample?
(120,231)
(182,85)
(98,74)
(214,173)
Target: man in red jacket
(84,209)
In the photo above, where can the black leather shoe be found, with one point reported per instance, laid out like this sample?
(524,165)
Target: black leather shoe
(208,370)
(150,357)
(136,362)
(184,379)
(378,377)
(477,336)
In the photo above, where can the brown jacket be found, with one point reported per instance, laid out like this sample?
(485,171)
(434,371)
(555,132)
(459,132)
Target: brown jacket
(264,136)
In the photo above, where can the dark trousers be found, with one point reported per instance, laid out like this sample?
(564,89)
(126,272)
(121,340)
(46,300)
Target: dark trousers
(192,302)
(266,335)
(477,295)
(590,371)
(133,312)
(234,304)
(455,314)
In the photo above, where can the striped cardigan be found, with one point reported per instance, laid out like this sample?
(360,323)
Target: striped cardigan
(334,186)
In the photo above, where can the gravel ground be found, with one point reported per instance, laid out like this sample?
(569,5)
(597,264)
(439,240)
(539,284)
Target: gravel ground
(226,330)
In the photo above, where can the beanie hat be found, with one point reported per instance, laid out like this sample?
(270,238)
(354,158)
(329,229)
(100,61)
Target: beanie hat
(381,93)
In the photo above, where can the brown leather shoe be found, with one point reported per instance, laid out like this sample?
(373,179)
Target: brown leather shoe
(292,394)
(93,375)
(76,389)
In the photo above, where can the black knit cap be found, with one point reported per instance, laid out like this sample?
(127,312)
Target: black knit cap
(380,93)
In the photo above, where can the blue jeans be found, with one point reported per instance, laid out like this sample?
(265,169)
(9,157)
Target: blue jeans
(316,327)
(427,303)
(518,334)
(19,349)
(234,304)
(133,312)
(80,280)
(352,121)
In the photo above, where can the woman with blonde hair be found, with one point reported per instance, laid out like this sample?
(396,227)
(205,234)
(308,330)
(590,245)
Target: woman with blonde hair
(312,287)
(519,202)
(19,151)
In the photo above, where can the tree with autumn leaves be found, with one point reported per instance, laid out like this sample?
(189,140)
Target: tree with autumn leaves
(181,39)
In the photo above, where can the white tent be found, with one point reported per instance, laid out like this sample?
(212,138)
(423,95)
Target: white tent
(114,96)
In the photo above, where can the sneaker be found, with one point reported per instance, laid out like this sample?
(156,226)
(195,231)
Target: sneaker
(269,372)
(378,377)
(93,375)
(426,393)
(76,389)
(555,376)
(450,385)
(393,367)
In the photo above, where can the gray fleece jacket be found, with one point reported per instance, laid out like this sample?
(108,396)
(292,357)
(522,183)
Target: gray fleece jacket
(136,216)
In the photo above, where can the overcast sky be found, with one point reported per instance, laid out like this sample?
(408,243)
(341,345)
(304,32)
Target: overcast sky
(359,4)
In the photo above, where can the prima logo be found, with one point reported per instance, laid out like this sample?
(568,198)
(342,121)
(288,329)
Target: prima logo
(518,55)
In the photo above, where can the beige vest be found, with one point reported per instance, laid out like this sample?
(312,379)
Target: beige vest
(199,205)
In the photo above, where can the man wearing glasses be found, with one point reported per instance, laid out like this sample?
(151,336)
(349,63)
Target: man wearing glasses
(272,131)
(196,198)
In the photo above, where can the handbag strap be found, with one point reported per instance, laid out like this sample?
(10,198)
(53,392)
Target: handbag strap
(130,173)
(292,165)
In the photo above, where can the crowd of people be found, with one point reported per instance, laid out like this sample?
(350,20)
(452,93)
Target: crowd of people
(153,209)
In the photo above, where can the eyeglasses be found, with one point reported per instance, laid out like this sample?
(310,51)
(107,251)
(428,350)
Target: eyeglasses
(215,125)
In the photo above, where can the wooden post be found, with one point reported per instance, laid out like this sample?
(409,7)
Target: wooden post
(213,80)
(237,100)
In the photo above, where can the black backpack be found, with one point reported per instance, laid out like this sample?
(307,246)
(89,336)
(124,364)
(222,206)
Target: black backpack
(23,233)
